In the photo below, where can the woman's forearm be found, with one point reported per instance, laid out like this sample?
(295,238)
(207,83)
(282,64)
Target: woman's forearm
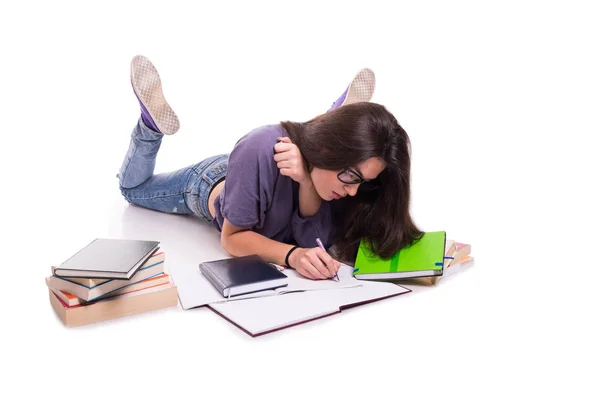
(245,243)
(309,199)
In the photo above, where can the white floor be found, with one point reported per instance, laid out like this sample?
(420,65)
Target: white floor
(467,321)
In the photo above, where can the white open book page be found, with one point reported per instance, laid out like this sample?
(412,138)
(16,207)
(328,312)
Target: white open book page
(195,290)
(265,314)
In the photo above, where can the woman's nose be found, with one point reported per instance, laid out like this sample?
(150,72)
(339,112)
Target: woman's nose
(351,189)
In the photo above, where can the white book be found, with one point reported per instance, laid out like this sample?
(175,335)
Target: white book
(301,301)
(107,259)
(267,314)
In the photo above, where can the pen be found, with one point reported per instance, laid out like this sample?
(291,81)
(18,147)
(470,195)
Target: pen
(320,244)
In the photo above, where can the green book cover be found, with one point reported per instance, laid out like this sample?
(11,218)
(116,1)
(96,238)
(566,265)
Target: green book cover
(427,254)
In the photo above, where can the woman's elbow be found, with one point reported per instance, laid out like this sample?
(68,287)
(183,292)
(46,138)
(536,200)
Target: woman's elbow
(229,245)
(226,242)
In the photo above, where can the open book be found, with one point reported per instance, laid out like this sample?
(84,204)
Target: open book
(197,291)
(259,316)
(301,301)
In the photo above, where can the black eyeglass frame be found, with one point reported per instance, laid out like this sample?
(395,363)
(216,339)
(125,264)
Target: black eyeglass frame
(364,184)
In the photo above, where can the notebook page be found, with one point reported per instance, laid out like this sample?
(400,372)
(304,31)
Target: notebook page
(297,282)
(346,272)
(195,290)
(263,314)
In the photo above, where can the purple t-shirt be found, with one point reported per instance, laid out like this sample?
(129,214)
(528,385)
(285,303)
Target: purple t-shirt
(257,197)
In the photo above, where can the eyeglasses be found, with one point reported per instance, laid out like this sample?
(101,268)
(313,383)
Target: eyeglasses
(351,177)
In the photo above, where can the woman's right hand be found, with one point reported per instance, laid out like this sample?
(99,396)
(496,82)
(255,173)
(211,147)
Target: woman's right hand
(313,263)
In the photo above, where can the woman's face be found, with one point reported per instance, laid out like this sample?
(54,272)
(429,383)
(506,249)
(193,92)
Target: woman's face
(329,186)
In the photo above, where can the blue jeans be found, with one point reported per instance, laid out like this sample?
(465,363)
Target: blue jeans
(184,191)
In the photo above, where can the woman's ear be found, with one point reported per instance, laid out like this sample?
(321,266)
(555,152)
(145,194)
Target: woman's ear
(309,166)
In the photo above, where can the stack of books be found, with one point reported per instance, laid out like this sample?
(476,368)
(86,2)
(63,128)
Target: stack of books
(458,259)
(110,278)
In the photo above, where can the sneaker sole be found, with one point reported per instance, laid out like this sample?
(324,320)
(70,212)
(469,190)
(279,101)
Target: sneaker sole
(147,86)
(361,88)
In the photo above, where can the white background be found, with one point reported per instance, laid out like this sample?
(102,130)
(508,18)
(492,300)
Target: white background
(500,101)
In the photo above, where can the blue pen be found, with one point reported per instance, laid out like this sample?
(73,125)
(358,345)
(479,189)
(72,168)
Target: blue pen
(320,244)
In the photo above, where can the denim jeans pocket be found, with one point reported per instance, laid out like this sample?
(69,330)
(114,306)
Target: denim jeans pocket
(207,173)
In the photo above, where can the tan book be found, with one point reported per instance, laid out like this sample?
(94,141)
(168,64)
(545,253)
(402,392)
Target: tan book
(462,250)
(72,300)
(154,298)
(449,252)
(460,265)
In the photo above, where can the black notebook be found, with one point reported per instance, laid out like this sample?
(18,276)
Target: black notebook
(107,259)
(236,276)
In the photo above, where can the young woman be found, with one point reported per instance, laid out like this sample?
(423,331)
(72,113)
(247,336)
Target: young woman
(340,177)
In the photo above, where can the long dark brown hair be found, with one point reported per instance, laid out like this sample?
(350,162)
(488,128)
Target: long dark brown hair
(345,137)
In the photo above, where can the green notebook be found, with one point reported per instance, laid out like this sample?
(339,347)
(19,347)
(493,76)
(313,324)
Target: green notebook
(423,258)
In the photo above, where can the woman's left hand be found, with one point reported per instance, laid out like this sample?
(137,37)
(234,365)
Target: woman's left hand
(290,161)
